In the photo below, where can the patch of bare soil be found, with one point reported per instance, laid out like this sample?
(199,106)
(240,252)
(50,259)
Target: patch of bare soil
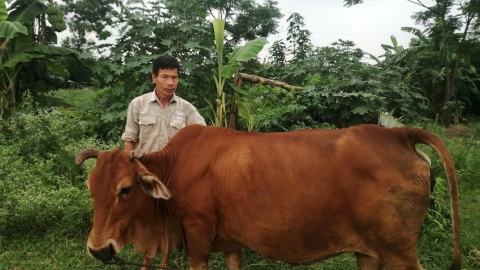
(459,131)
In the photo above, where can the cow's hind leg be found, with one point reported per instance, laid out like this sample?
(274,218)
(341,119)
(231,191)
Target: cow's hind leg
(233,259)
(365,262)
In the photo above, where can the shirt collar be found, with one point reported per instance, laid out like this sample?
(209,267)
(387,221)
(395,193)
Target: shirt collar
(153,97)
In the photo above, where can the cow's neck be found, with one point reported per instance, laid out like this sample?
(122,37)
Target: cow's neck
(159,163)
(147,228)
(162,223)
(153,230)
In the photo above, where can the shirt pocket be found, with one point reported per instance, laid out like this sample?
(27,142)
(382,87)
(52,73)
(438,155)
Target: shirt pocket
(175,126)
(145,125)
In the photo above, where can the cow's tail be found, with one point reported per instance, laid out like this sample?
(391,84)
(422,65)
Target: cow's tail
(430,139)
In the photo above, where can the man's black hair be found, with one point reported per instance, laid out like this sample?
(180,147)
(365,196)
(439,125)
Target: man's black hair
(165,62)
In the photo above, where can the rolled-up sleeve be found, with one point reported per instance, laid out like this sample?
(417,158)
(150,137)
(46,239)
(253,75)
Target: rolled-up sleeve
(131,127)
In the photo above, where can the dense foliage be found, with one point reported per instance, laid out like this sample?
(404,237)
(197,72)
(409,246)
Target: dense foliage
(435,76)
(46,190)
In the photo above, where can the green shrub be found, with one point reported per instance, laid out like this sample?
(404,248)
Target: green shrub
(46,190)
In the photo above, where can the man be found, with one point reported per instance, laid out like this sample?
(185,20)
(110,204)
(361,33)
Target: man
(154,118)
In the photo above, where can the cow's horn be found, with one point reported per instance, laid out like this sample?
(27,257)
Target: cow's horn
(86,154)
(135,154)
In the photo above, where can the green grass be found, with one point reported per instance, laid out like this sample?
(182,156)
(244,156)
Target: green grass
(56,251)
(76,98)
(437,241)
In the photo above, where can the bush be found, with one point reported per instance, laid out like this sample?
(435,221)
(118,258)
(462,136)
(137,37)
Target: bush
(46,191)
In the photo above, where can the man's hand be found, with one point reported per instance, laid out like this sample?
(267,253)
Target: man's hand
(128,146)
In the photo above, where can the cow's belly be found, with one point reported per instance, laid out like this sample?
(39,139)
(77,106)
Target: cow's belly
(306,225)
(294,245)
(321,241)
(222,245)
(285,250)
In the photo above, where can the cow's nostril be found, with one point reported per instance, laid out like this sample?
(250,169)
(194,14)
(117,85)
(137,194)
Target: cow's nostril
(104,254)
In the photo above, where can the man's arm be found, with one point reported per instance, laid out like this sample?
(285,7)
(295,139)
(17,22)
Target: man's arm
(128,146)
(194,117)
(130,135)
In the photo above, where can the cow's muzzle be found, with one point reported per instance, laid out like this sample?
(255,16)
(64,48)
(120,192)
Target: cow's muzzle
(104,254)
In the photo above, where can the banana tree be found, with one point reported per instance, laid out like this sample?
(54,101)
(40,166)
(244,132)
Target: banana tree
(8,31)
(225,72)
(19,50)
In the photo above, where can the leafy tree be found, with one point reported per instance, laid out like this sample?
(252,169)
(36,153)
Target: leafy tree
(345,91)
(472,97)
(297,51)
(419,64)
(27,53)
(341,90)
(452,35)
(245,19)
(298,36)
(349,3)
(455,40)
(278,53)
(85,17)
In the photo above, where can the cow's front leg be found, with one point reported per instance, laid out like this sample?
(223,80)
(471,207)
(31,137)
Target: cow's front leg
(198,248)
(146,261)
(198,261)
(233,259)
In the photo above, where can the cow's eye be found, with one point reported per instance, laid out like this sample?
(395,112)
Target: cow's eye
(125,191)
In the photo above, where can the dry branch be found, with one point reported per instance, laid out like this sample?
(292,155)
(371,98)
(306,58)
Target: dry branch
(261,80)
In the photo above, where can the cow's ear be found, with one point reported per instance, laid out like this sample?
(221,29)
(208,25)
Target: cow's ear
(154,187)
(151,184)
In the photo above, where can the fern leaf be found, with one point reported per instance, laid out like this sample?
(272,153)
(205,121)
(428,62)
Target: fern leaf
(386,120)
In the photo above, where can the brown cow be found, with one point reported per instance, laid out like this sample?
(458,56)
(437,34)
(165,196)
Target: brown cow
(299,197)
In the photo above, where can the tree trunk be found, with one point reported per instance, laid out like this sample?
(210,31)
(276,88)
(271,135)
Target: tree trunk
(42,26)
(233,120)
(447,111)
(449,91)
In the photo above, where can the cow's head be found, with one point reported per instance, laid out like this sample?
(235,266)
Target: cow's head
(123,213)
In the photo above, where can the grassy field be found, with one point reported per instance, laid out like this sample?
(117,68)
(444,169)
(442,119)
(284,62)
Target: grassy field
(59,241)
(76,98)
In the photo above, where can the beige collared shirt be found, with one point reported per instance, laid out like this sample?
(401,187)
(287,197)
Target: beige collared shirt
(151,126)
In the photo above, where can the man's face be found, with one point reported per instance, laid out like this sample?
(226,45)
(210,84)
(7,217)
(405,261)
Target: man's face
(166,82)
